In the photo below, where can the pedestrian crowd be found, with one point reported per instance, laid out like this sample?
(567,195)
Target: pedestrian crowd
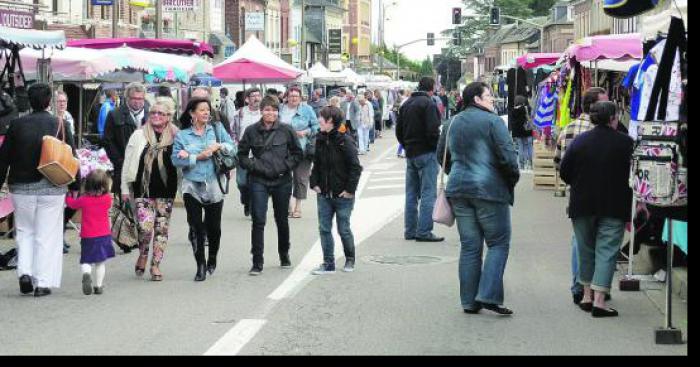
(282,146)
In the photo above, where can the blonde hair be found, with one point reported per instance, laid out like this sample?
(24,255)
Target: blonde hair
(166,103)
(335,101)
(361,98)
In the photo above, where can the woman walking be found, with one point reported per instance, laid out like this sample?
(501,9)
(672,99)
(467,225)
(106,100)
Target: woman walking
(597,166)
(275,153)
(521,128)
(149,173)
(194,147)
(38,203)
(484,171)
(366,123)
(302,118)
(334,178)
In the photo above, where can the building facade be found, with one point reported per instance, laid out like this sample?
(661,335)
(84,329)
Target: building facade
(357,37)
(559,31)
(235,19)
(590,19)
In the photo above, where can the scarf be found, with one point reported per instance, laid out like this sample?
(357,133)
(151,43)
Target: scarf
(154,150)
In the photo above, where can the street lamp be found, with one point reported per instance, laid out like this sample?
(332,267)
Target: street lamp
(382,18)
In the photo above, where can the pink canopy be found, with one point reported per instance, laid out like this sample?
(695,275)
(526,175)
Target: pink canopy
(533,60)
(159,45)
(611,47)
(255,63)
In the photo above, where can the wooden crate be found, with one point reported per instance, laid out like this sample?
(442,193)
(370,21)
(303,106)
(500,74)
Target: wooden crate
(544,174)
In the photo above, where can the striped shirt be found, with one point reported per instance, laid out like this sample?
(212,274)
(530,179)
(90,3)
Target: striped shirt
(570,132)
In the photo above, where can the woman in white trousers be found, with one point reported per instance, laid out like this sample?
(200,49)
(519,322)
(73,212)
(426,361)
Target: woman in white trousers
(366,123)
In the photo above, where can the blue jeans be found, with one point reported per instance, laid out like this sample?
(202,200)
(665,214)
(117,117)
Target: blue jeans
(576,287)
(259,196)
(599,240)
(342,208)
(479,220)
(242,183)
(372,133)
(524,151)
(421,185)
(363,138)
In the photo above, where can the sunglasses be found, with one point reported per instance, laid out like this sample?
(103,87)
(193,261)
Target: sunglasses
(159,113)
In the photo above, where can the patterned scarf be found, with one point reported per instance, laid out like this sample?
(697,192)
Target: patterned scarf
(154,150)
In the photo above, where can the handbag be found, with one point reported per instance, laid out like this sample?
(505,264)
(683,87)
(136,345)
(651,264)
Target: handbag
(310,148)
(223,163)
(659,176)
(124,232)
(57,162)
(442,211)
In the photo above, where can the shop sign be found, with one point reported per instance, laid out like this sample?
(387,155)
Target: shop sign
(16,19)
(102,2)
(179,5)
(254,21)
(335,40)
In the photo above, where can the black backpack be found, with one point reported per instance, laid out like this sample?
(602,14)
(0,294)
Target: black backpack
(8,260)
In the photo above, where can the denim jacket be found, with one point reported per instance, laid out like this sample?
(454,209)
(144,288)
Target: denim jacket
(192,169)
(484,161)
(304,119)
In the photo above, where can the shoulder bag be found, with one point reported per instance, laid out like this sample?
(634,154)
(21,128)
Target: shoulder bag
(223,162)
(442,211)
(57,162)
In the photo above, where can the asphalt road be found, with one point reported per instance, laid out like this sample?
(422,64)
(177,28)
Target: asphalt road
(403,299)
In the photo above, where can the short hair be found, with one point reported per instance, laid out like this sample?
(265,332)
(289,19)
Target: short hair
(334,101)
(271,92)
(294,88)
(520,100)
(61,93)
(134,87)
(39,96)
(271,101)
(110,93)
(361,98)
(602,113)
(164,91)
(332,113)
(426,84)
(205,89)
(166,103)
(472,90)
(223,91)
(97,183)
(342,90)
(186,118)
(251,90)
(590,97)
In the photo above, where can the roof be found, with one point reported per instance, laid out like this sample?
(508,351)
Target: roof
(500,34)
(524,32)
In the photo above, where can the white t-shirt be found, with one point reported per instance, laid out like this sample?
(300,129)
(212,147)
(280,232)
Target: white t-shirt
(249,118)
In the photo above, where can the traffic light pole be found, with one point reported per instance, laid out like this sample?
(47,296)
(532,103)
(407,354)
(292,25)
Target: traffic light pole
(540,27)
(399,47)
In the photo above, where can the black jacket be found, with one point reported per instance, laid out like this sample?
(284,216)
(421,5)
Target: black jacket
(597,166)
(21,151)
(276,152)
(418,125)
(118,129)
(336,166)
(518,120)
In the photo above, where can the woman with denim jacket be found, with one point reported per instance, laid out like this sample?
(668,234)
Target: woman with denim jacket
(303,120)
(194,147)
(484,171)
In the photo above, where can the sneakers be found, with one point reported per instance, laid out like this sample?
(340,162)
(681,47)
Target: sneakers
(324,269)
(255,270)
(98,290)
(25,284)
(349,265)
(87,284)
(285,263)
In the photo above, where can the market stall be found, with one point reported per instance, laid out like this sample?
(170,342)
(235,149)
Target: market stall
(168,46)
(255,63)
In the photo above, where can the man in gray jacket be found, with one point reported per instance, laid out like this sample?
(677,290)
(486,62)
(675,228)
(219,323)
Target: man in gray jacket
(351,108)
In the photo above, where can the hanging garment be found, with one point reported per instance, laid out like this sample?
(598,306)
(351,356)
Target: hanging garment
(564,108)
(544,115)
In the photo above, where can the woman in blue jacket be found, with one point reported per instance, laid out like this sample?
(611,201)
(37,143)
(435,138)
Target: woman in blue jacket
(194,147)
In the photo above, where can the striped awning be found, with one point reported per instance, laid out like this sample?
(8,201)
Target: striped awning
(32,38)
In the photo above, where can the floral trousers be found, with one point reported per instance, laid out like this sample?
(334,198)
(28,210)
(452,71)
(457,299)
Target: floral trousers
(153,219)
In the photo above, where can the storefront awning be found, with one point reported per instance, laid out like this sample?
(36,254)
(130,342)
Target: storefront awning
(32,38)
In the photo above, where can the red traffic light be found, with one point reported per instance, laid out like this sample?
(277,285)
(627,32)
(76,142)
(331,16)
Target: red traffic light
(456,15)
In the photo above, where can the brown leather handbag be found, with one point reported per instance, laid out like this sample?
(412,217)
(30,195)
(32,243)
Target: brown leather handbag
(57,162)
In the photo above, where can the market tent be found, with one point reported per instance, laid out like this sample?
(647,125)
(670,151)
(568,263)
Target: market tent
(32,38)
(351,76)
(321,74)
(533,60)
(255,63)
(612,65)
(615,47)
(170,46)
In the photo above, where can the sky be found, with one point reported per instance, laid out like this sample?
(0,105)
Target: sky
(409,20)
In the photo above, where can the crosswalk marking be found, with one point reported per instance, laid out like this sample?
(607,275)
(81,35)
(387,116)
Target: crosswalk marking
(381,187)
(383,179)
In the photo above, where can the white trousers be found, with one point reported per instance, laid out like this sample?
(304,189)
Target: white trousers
(39,236)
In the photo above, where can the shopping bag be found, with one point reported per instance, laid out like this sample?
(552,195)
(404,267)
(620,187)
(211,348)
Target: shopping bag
(124,232)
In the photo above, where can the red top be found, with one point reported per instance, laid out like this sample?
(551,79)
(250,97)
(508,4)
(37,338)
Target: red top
(95,216)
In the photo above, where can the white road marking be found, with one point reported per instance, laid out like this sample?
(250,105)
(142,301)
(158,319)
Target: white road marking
(388,172)
(382,187)
(398,178)
(235,339)
(369,216)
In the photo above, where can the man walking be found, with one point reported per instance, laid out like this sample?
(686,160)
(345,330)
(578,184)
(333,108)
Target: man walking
(317,101)
(418,131)
(246,116)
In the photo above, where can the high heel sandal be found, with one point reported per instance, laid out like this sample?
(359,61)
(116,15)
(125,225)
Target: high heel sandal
(140,267)
(156,275)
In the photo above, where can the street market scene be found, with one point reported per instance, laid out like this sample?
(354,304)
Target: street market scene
(449,177)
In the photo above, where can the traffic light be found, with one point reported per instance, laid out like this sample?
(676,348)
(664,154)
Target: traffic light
(456,15)
(495,16)
(457,38)
(431,39)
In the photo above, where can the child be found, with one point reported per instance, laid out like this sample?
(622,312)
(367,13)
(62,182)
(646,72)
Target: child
(95,232)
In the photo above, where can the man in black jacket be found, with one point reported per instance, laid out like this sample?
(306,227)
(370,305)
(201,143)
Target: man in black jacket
(276,152)
(418,131)
(120,124)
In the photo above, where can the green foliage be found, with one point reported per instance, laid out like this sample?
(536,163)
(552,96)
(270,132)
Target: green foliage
(426,68)
(393,56)
(541,7)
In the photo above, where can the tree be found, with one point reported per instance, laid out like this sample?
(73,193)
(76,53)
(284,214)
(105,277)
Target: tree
(393,57)
(541,7)
(426,68)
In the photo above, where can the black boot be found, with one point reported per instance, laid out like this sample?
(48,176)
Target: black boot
(201,272)
(211,264)
(198,246)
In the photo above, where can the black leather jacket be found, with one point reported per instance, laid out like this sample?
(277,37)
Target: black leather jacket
(21,150)
(336,166)
(276,152)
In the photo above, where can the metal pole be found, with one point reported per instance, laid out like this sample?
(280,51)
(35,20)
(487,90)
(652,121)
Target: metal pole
(381,36)
(303,37)
(631,249)
(115,18)
(159,19)
(669,269)
(398,64)
(80,115)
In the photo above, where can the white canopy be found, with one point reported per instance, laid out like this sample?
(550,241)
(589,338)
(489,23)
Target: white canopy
(612,65)
(352,77)
(653,24)
(32,38)
(321,74)
(255,63)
